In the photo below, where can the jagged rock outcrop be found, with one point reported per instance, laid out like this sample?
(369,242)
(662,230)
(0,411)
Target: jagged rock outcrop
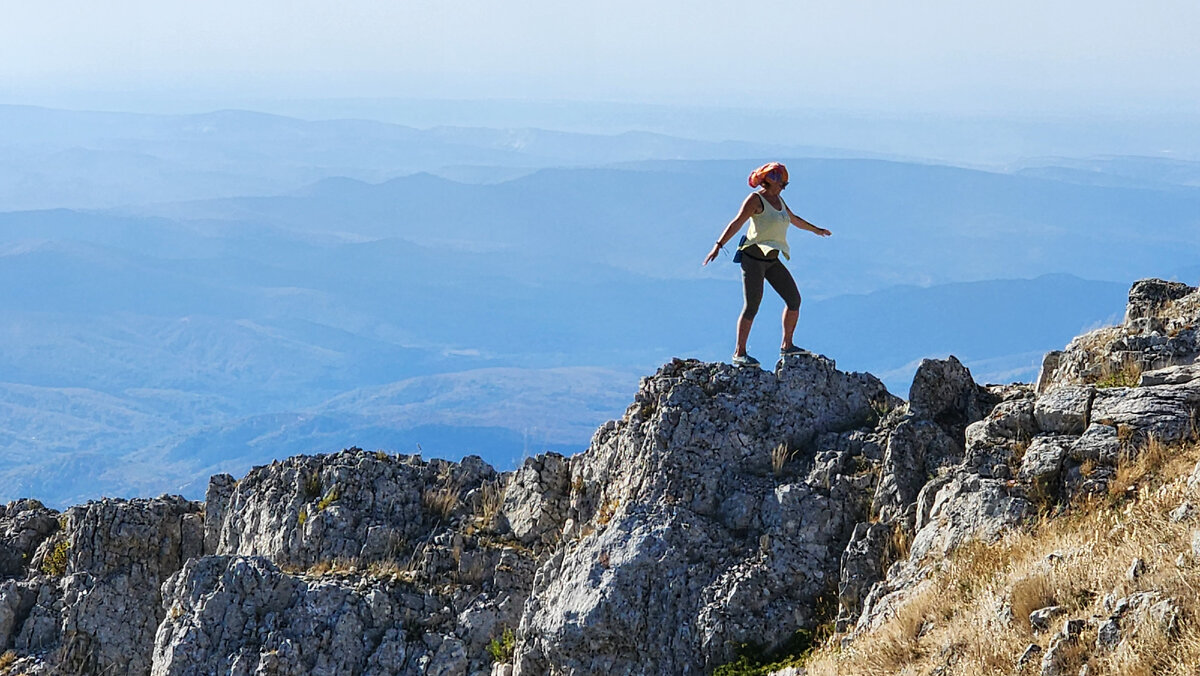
(1159,331)
(1038,448)
(355,562)
(91,598)
(685,536)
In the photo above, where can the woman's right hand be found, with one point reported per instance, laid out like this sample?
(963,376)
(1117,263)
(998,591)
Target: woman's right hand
(712,255)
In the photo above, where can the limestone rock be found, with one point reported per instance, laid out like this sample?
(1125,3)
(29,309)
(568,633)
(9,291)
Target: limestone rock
(1172,375)
(1044,458)
(1041,618)
(352,505)
(1159,331)
(861,567)
(101,604)
(684,537)
(944,391)
(1065,410)
(24,524)
(537,498)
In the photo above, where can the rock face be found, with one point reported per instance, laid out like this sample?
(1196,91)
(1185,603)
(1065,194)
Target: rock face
(1160,331)
(727,506)
(1038,447)
(685,537)
(92,596)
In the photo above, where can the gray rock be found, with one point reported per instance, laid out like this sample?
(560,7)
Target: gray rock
(1044,458)
(102,606)
(1054,660)
(1172,375)
(1029,655)
(1184,512)
(537,498)
(1136,569)
(1109,634)
(243,615)
(861,567)
(1064,410)
(916,451)
(1041,618)
(24,524)
(1099,443)
(351,505)
(658,573)
(943,391)
(1148,297)
(1160,331)
(1163,412)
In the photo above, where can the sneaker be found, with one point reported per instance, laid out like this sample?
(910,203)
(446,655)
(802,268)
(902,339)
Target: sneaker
(789,351)
(744,360)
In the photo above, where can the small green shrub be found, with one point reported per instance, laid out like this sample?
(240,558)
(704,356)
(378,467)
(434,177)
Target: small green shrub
(302,517)
(55,563)
(752,660)
(329,498)
(501,648)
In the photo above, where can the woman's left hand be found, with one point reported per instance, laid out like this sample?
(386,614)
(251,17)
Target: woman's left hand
(822,232)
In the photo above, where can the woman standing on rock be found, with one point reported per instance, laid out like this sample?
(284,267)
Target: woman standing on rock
(759,252)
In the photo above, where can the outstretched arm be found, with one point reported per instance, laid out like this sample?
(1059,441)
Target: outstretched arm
(805,225)
(750,207)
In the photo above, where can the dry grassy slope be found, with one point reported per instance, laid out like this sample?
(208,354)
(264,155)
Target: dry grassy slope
(973,615)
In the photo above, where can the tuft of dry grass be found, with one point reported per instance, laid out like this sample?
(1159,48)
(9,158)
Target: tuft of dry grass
(779,457)
(972,615)
(491,500)
(442,500)
(1136,464)
(898,545)
(607,510)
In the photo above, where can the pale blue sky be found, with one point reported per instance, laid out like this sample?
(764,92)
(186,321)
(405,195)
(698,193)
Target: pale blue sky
(927,54)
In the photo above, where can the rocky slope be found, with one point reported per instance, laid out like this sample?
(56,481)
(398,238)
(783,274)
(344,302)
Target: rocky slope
(726,507)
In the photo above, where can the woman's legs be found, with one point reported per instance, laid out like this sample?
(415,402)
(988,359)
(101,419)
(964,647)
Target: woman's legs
(753,273)
(781,280)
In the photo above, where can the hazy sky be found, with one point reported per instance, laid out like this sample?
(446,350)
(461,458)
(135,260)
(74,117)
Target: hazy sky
(924,54)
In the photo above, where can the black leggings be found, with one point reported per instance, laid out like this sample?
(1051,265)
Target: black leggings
(754,271)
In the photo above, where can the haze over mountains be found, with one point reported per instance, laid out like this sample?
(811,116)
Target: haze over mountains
(229,288)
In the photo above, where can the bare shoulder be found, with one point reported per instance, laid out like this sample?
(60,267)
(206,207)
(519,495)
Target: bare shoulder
(753,203)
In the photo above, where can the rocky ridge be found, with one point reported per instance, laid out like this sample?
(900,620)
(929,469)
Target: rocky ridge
(726,507)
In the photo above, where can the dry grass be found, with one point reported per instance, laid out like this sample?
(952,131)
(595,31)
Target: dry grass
(491,500)
(972,617)
(442,500)
(779,457)
(607,511)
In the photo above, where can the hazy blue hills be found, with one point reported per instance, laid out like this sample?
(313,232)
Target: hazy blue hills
(145,347)
(55,158)
(894,223)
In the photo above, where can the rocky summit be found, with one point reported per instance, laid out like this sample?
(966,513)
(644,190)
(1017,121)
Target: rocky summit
(728,507)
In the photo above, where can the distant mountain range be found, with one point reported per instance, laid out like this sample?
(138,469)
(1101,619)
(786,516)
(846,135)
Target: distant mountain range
(147,345)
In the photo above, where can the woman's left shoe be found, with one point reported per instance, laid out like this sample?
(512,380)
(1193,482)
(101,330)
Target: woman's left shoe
(789,351)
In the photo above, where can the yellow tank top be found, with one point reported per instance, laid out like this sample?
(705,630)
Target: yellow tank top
(769,229)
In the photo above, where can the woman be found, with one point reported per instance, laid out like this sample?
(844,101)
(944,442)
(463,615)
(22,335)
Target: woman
(759,251)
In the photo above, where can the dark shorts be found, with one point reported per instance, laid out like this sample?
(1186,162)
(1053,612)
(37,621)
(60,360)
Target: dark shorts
(756,268)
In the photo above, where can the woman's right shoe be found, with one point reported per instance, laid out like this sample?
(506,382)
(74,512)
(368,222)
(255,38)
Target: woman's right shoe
(744,360)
